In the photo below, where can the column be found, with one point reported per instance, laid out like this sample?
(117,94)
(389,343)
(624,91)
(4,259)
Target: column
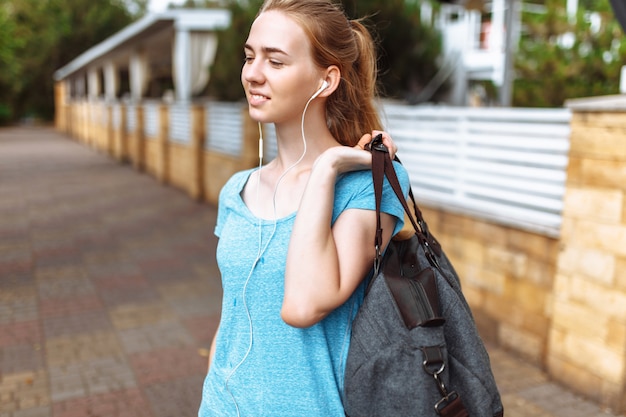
(587,346)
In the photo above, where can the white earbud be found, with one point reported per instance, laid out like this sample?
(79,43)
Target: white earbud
(322,88)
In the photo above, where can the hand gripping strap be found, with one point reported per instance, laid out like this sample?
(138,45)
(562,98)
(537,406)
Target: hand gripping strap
(382,166)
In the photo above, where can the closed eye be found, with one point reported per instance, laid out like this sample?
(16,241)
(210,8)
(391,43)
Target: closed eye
(275,63)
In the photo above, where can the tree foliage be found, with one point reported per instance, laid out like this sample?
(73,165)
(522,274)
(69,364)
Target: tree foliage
(225,82)
(408,49)
(10,45)
(559,58)
(42,37)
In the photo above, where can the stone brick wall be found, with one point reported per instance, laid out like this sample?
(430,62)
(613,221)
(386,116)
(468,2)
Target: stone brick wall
(588,335)
(507,276)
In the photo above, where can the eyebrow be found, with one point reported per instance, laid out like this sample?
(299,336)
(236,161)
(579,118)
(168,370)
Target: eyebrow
(267,49)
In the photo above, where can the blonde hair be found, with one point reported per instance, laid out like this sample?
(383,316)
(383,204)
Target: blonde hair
(336,40)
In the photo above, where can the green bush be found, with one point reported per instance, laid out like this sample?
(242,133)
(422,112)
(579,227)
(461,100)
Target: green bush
(559,60)
(5,114)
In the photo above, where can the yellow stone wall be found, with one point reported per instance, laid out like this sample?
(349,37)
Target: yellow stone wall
(217,170)
(179,161)
(507,278)
(588,334)
(152,156)
(120,138)
(136,142)
(60,106)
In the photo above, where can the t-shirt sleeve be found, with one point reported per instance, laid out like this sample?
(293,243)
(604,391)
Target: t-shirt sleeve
(355,190)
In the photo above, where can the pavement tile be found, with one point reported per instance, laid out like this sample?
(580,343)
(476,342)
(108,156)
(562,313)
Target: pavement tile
(551,398)
(23,278)
(129,282)
(190,307)
(18,304)
(65,306)
(182,290)
(141,293)
(23,390)
(21,332)
(154,337)
(15,266)
(515,406)
(30,412)
(164,270)
(73,271)
(122,403)
(16,251)
(97,376)
(180,397)
(82,348)
(130,316)
(66,260)
(113,267)
(168,364)
(202,328)
(21,358)
(93,238)
(86,322)
(63,281)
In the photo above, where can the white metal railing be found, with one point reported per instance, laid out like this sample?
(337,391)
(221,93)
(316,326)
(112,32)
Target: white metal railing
(152,120)
(180,123)
(116,116)
(507,165)
(131,118)
(224,127)
(502,164)
(270,144)
(103,114)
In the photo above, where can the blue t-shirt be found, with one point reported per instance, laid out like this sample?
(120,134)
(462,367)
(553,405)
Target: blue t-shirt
(262,366)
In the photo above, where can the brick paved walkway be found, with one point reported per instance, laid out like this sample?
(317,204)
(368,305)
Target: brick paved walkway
(109,292)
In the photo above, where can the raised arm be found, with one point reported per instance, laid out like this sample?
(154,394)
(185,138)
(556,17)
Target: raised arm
(325,265)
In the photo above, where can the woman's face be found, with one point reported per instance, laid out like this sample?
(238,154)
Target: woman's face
(278,75)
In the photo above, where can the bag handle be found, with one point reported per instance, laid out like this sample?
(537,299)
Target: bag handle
(382,167)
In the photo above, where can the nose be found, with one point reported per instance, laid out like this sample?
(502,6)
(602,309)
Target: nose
(252,72)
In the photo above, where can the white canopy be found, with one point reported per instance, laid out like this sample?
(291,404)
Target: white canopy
(186,36)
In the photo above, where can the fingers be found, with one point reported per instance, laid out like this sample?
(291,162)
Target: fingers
(388,142)
(365,139)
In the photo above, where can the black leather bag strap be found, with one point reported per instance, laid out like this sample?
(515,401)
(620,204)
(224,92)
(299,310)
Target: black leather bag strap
(382,167)
(378,176)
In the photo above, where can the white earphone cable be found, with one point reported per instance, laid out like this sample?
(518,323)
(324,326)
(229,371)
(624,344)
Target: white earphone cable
(262,248)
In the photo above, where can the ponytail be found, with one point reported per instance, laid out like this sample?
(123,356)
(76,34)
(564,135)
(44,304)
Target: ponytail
(351,111)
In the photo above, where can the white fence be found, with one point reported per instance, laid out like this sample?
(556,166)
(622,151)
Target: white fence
(507,165)
(131,118)
(180,123)
(152,119)
(116,116)
(224,127)
(504,165)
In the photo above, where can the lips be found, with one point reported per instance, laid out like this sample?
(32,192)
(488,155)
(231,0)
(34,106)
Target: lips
(255,98)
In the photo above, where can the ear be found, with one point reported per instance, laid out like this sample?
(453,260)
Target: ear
(333,78)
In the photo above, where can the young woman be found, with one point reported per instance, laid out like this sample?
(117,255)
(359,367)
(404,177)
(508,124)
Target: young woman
(296,236)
